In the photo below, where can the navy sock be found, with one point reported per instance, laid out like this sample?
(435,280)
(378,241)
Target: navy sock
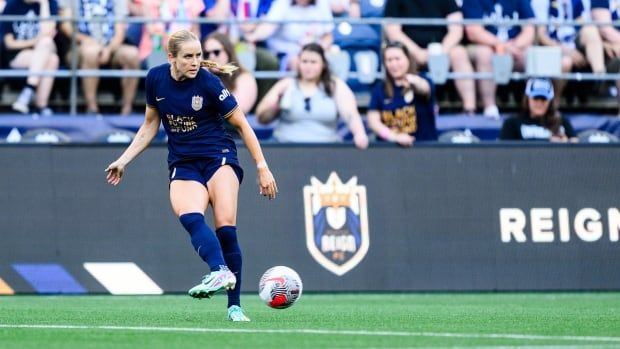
(203,239)
(232,255)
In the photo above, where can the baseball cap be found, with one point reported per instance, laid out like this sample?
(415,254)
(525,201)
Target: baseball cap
(538,87)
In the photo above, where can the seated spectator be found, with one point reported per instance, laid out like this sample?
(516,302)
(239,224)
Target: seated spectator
(240,83)
(497,38)
(538,120)
(402,108)
(309,105)
(417,39)
(581,45)
(102,44)
(265,60)
(29,44)
(174,15)
(605,11)
(287,39)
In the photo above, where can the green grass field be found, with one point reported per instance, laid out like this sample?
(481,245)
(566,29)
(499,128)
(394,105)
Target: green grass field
(489,320)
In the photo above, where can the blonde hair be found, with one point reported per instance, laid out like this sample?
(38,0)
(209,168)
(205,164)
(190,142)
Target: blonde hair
(177,38)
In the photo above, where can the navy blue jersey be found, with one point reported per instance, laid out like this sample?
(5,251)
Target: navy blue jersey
(25,29)
(411,114)
(193,112)
(498,11)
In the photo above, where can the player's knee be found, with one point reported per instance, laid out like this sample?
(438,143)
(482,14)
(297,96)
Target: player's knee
(190,220)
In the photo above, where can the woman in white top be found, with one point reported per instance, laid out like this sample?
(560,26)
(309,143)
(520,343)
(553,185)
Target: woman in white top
(306,104)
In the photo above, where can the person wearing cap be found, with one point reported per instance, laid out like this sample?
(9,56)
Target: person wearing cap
(539,119)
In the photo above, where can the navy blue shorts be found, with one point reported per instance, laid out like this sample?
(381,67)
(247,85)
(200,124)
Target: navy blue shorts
(201,170)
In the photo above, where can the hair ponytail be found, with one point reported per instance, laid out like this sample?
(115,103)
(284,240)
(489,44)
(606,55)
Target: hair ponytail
(216,68)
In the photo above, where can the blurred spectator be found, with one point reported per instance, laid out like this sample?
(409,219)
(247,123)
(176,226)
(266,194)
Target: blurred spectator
(581,45)
(308,106)
(240,83)
(607,11)
(538,120)
(417,39)
(286,39)
(497,38)
(402,109)
(214,9)
(2,5)
(29,44)
(264,60)
(101,44)
(174,15)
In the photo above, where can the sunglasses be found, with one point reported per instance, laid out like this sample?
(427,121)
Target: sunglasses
(307,104)
(216,53)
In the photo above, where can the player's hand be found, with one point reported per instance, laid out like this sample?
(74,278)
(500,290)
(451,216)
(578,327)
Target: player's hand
(115,172)
(266,183)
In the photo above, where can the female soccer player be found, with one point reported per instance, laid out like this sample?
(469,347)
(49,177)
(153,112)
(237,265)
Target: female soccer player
(193,104)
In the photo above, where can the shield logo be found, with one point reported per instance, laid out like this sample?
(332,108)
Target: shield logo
(197,103)
(336,223)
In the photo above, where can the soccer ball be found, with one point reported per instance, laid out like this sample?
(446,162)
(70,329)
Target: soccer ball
(280,287)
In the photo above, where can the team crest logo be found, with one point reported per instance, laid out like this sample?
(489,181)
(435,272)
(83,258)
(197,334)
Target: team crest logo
(336,223)
(197,103)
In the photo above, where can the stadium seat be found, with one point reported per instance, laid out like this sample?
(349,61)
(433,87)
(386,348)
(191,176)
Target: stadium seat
(45,135)
(116,135)
(544,61)
(339,64)
(458,137)
(367,63)
(597,136)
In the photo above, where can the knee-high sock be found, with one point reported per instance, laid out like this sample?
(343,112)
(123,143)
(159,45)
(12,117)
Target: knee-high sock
(232,255)
(204,240)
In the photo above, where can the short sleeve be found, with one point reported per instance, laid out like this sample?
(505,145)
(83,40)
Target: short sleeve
(150,89)
(376,98)
(221,98)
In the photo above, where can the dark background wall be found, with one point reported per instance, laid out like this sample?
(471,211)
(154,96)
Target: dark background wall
(433,215)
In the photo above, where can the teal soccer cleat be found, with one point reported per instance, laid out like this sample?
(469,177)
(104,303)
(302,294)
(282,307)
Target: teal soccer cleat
(235,314)
(214,282)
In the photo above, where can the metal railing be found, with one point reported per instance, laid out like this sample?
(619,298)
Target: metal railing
(73,73)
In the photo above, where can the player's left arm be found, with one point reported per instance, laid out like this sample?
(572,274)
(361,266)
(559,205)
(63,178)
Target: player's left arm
(266,181)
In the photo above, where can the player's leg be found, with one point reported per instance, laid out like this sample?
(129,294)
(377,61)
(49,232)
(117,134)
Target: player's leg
(223,192)
(189,201)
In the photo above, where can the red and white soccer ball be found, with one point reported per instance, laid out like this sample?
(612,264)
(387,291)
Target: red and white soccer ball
(280,287)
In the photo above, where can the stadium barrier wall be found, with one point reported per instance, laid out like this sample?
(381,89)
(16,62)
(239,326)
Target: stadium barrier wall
(431,218)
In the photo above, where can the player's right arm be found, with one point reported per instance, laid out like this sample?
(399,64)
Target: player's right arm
(143,138)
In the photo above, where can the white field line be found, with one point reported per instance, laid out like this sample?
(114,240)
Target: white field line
(319,331)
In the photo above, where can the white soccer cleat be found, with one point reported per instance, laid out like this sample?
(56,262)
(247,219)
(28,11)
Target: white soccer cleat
(214,282)
(235,314)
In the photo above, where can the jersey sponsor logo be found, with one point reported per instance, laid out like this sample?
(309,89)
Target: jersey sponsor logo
(336,219)
(197,103)
(224,94)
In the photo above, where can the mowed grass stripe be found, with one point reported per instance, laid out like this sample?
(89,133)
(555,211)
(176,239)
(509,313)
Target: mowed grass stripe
(319,332)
